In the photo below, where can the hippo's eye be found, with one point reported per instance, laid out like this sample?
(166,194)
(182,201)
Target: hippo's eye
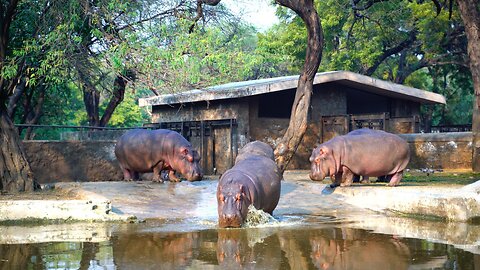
(238,197)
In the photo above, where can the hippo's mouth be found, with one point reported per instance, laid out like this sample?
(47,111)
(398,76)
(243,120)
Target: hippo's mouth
(194,176)
(234,222)
(316,173)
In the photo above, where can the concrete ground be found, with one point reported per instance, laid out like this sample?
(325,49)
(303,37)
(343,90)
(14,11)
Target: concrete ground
(104,201)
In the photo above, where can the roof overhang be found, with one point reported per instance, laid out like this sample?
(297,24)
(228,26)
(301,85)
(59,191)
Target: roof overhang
(263,86)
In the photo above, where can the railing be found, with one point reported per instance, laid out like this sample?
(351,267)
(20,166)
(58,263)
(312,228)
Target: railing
(451,128)
(67,132)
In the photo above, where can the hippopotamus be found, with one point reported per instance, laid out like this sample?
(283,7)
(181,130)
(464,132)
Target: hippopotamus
(253,180)
(362,152)
(143,151)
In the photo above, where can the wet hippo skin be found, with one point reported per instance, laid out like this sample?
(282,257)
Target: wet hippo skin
(253,180)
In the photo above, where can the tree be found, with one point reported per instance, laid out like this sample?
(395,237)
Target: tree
(15,172)
(297,127)
(470,13)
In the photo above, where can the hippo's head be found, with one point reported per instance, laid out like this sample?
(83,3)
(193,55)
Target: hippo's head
(233,251)
(233,204)
(188,163)
(322,163)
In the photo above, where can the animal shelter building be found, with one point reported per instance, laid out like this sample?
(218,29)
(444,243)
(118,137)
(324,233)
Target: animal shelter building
(221,119)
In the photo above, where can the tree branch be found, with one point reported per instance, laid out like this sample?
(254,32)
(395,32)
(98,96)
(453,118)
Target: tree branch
(412,36)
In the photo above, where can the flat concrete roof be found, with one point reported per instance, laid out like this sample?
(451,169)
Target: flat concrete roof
(263,86)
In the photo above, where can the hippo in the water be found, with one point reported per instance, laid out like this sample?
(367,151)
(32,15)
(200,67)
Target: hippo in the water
(253,180)
(143,151)
(363,152)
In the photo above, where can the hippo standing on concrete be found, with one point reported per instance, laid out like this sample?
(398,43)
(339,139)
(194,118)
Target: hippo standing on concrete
(254,180)
(142,151)
(363,152)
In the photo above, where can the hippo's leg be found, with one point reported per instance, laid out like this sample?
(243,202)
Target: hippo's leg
(396,177)
(127,175)
(135,175)
(365,180)
(356,178)
(382,179)
(173,177)
(157,170)
(336,180)
(347,177)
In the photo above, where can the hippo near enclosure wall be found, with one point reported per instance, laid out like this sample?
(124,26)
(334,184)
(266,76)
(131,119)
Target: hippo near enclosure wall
(254,180)
(143,151)
(362,152)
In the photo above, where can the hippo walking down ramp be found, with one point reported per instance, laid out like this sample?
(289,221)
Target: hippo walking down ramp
(363,152)
(143,151)
(254,180)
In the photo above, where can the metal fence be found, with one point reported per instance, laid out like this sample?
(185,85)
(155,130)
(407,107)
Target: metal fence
(67,132)
(451,128)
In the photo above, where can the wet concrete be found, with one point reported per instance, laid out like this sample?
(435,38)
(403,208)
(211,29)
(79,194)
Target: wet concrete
(187,206)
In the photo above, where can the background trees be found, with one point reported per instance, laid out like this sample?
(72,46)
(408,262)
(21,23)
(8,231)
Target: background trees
(401,41)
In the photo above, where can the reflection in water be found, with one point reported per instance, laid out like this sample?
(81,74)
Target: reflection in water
(254,248)
(353,249)
(65,255)
(148,251)
(248,249)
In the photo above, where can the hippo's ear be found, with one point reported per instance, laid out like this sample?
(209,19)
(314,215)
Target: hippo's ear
(323,152)
(187,154)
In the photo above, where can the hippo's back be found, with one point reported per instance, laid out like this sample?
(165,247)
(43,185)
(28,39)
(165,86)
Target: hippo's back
(255,148)
(372,152)
(141,149)
(257,162)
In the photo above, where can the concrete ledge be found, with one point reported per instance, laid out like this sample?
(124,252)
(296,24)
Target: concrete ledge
(74,232)
(450,203)
(85,206)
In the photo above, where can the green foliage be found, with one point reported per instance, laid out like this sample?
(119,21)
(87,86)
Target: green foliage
(128,113)
(67,46)
(358,40)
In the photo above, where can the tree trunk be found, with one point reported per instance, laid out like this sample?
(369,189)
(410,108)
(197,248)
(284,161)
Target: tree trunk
(15,172)
(470,13)
(15,97)
(36,113)
(118,94)
(299,115)
(91,99)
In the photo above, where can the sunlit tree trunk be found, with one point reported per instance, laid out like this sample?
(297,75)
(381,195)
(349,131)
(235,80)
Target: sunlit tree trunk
(470,13)
(15,172)
(299,115)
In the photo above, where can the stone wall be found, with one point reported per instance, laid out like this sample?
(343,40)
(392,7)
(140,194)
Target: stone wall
(447,151)
(70,161)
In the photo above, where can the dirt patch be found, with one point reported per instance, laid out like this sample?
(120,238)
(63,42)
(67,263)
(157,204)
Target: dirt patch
(51,194)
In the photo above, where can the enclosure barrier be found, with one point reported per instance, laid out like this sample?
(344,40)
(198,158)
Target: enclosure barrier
(94,160)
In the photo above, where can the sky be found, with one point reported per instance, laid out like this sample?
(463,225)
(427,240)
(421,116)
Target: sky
(260,13)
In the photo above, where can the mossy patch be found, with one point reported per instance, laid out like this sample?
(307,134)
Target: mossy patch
(449,178)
